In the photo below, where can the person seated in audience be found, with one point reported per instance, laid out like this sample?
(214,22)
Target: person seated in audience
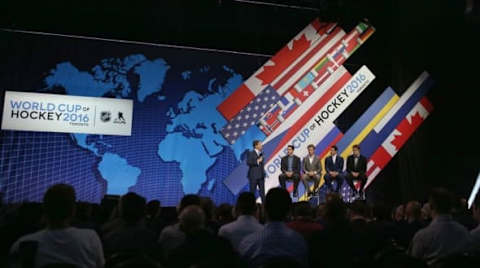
(427,213)
(224,214)
(201,248)
(60,243)
(398,214)
(476,232)
(333,246)
(276,240)
(443,237)
(133,235)
(412,224)
(172,236)
(303,220)
(246,222)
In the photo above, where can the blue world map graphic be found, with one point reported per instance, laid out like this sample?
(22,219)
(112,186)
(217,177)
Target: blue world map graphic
(176,147)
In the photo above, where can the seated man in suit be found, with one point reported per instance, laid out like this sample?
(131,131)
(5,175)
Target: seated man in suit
(290,166)
(356,169)
(333,168)
(312,169)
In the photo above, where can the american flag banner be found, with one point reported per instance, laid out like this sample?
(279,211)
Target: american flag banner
(292,52)
(248,115)
(397,138)
(322,70)
(298,67)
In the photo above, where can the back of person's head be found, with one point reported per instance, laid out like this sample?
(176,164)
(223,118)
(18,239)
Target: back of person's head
(441,201)
(398,213)
(413,211)
(59,202)
(302,210)
(476,208)
(192,219)
(246,204)
(381,212)
(335,210)
(427,211)
(320,214)
(153,207)
(277,204)
(359,208)
(224,213)
(206,203)
(187,200)
(132,207)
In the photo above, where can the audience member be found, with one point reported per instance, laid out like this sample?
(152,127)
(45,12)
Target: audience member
(133,235)
(172,236)
(476,232)
(276,240)
(59,242)
(303,220)
(443,237)
(224,214)
(246,222)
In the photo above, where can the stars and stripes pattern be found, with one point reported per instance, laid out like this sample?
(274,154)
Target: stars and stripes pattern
(249,115)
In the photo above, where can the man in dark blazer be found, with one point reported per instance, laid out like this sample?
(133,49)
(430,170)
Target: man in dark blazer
(334,169)
(256,170)
(356,169)
(312,169)
(290,166)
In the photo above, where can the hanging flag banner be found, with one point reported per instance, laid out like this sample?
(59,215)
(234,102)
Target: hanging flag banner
(397,138)
(68,114)
(315,124)
(295,50)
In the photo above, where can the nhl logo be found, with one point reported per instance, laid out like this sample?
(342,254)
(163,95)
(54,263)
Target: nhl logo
(105,116)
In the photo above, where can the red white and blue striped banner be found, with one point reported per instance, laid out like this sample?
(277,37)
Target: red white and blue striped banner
(304,87)
(397,138)
(295,50)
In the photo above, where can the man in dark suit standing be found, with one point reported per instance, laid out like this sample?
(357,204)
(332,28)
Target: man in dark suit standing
(290,166)
(312,169)
(256,170)
(334,169)
(356,169)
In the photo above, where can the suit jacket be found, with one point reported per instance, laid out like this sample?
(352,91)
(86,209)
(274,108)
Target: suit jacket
(255,170)
(316,165)
(361,164)
(295,164)
(338,166)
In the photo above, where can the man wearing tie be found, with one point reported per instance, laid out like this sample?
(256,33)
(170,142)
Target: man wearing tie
(334,168)
(312,169)
(290,166)
(256,171)
(356,169)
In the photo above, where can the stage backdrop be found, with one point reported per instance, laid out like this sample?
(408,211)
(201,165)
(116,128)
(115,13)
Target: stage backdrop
(176,146)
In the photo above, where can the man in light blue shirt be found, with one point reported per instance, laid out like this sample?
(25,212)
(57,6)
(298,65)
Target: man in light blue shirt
(245,224)
(443,237)
(276,241)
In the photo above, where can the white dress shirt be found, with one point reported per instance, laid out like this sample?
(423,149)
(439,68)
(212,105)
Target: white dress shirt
(237,230)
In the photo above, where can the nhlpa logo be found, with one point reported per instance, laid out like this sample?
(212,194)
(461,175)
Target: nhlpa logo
(120,119)
(105,116)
